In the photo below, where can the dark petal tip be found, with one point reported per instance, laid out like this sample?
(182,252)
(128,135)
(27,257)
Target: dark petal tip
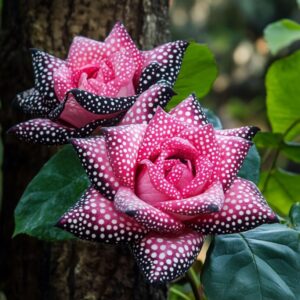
(213,208)
(130,213)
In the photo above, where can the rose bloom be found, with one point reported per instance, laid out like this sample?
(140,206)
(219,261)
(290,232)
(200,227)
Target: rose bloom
(94,86)
(162,187)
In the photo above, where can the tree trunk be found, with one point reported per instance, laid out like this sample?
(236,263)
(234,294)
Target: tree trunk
(31,269)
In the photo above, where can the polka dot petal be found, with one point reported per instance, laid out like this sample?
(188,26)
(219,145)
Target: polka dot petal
(94,218)
(169,56)
(147,103)
(211,200)
(47,132)
(244,208)
(164,258)
(122,144)
(190,111)
(233,151)
(150,217)
(94,159)
(246,132)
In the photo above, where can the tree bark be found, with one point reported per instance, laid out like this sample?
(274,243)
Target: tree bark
(32,269)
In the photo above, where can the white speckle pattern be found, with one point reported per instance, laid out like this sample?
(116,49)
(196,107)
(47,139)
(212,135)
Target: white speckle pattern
(148,216)
(163,258)
(94,218)
(104,78)
(244,208)
(246,132)
(177,179)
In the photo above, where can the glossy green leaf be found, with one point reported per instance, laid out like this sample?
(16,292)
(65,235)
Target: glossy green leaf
(251,166)
(177,292)
(281,34)
(294,215)
(263,263)
(197,73)
(283,90)
(56,187)
(292,151)
(281,189)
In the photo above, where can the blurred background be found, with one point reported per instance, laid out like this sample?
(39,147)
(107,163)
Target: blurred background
(233,30)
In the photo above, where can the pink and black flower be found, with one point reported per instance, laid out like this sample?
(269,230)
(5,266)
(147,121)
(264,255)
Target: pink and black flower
(162,187)
(94,86)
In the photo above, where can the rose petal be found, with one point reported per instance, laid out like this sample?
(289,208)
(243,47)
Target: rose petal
(150,75)
(161,127)
(102,105)
(246,132)
(159,182)
(164,258)
(190,111)
(122,144)
(233,151)
(45,131)
(94,159)
(82,52)
(170,57)
(148,216)
(63,82)
(94,218)
(209,201)
(33,103)
(145,106)
(244,208)
(119,39)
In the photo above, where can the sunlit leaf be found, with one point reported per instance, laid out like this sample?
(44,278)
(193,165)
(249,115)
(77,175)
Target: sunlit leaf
(281,34)
(283,90)
(263,263)
(281,189)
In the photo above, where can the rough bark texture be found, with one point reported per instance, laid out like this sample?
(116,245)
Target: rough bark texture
(31,269)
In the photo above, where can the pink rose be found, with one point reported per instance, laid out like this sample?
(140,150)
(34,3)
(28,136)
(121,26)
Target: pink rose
(95,85)
(161,187)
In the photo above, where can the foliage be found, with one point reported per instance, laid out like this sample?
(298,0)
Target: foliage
(262,263)
(55,188)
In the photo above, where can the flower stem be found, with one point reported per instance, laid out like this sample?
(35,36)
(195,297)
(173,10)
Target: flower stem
(192,278)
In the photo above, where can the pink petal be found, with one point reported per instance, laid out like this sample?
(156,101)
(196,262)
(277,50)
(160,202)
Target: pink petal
(47,132)
(63,82)
(123,143)
(72,113)
(169,56)
(244,208)
(209,201)
(164,258)
(31,102)
(82,52)
(94,218)
(203,169)
(161,127)
(102,105)
(94,159)
(246,132)
(148,216)
(119,40)
(146,104)
(190,111)
(159,182)
(233,151)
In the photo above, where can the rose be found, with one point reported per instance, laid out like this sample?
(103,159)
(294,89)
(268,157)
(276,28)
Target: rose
(161,187)
(94,86)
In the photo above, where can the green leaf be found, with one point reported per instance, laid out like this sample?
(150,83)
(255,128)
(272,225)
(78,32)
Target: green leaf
(281,189)
(213,118)
(56,187)
(292,151)
(263,263)
(294,216)
(283,90)
(281,34)
(176,292)
(251,165)
(197,73)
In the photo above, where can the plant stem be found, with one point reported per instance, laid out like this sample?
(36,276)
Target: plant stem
(191,277)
